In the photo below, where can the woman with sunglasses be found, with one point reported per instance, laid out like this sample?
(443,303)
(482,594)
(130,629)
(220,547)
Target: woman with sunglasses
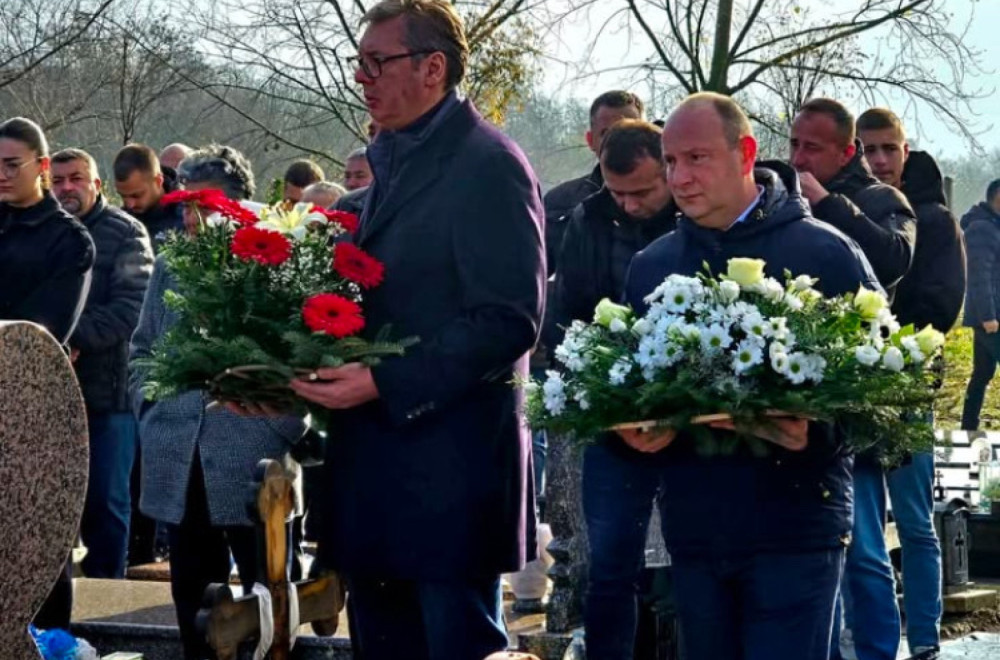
(45,253)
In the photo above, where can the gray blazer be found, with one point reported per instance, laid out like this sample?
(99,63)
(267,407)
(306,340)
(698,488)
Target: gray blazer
(230,446)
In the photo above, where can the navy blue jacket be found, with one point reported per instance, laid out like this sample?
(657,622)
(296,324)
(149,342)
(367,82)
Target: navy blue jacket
(431,481)
(789,501)
(982,237)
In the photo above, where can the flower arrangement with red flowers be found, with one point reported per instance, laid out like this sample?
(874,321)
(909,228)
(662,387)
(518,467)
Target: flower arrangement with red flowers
(263,294)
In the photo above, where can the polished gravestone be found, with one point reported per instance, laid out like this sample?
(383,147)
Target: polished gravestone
(43,475)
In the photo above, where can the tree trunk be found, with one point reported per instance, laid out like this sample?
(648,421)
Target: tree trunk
(718,77)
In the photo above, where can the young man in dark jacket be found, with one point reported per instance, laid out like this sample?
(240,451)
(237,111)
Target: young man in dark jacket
(842,191)
(930,294)
(606,109)
(142,182)
(603,234)
(757,543)
(982,302)
(99,347)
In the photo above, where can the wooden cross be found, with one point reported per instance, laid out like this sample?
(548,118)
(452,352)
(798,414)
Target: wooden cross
(227,621)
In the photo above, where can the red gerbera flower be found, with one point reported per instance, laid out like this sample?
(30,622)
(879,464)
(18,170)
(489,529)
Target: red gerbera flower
(201,197)
(212,200)
(261,245)
(332,314)
(348,221)
(235,211)
(354,264)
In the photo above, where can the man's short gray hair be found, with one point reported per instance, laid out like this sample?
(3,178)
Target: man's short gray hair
(224,167)
(361,152)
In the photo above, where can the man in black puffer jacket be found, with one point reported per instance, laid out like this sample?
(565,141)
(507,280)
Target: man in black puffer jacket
(141,183)
(632,210)
(738,525)
(930,294)
(99,348)
(842,191)
(982,301)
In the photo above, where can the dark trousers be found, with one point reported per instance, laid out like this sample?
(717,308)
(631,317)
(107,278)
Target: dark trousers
(199,556)
(618,495)
(392,619)
(985,355)
(759,607)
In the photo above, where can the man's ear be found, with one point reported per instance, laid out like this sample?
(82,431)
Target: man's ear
(748,152)
(437,69)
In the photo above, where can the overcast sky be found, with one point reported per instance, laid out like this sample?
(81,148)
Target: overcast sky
(620,47)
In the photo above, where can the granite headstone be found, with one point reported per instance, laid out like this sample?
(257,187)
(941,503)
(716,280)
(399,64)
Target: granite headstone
(43,475)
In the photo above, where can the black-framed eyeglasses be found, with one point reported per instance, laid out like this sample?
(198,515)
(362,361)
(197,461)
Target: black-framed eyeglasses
(11,170)
(371,65)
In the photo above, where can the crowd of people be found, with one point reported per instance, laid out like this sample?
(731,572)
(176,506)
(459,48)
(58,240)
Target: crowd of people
(428,490)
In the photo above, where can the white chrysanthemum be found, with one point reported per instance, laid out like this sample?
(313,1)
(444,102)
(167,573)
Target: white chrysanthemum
(775,348)
(748,354)
(554,393)
(893,359)
(798,368)
(867,355)
(779,362)
(619,370)
(715,338)
(581,399)
(671,355)
(756,326)
(729,291)
(887,320)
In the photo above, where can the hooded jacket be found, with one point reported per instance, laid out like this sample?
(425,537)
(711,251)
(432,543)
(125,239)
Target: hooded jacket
(982,236)
(45,261)
(120,277)
(933,290)
(739,504)
(875,215)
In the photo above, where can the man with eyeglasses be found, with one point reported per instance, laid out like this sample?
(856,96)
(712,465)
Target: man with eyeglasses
(428,466)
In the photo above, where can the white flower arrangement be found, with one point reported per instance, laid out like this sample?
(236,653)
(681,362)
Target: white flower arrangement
(743,345)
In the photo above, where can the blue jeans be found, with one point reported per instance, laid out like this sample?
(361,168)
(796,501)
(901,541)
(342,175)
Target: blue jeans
(758,607)
(104,527)
(618,495)
(911,491)
(390,619)
(868,588)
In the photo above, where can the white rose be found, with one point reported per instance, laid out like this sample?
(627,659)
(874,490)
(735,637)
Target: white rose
(745,272)
(893,359)
(642,327)
(730,290)
(867,355)
(617,325)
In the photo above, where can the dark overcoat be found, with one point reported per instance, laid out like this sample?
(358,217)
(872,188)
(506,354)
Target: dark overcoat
(431,481)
